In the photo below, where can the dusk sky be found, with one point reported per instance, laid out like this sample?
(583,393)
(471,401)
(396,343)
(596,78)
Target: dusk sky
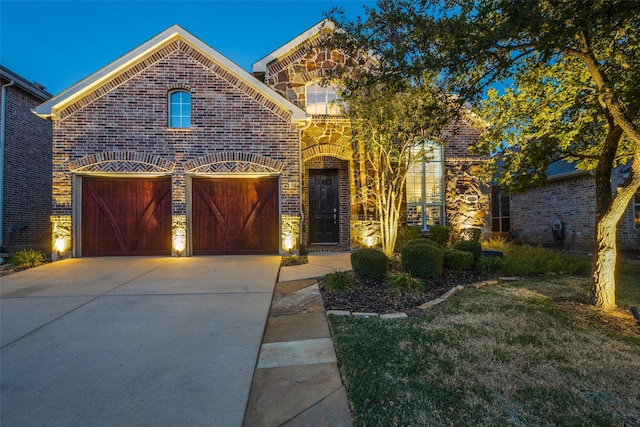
(58,43)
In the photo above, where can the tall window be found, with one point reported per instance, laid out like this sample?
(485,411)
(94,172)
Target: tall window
(324,100)
(500,211)
(179,109)
(424,187)
(636,209)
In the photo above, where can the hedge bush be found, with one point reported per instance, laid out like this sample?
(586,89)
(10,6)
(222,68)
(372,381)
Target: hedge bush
(458,260)
(440,234)
(422,260)
(368,262)
(406,234)
(470,246)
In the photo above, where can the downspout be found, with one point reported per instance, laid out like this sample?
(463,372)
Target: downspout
(307,124)
(3,114)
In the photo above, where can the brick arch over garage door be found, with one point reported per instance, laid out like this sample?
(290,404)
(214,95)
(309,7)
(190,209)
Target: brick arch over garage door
(235,216)
(126,216)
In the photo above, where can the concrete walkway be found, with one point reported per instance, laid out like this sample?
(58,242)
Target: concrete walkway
(133,341)
(297,382)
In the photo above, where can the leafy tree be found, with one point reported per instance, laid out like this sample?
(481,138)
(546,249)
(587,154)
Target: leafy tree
(573,67)
(390,122)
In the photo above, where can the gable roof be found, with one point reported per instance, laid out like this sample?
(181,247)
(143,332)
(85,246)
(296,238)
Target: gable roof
(33,88)
(261,65)
(50,108)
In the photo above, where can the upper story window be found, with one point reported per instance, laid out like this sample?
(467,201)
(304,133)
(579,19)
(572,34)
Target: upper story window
(324,100)
(180,109)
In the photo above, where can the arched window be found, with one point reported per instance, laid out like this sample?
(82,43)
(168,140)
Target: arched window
(324,100)
(179,109)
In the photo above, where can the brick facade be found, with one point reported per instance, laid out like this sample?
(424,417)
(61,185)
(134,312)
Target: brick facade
(27,168)
(121,128)
(572,201)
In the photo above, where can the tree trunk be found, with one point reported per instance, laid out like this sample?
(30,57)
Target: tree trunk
(603,285)
(609,210)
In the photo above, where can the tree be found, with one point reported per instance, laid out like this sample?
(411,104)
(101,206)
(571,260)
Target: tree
(390,122)
(574,71)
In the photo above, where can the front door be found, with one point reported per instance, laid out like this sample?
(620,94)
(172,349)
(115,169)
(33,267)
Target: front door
(323,206)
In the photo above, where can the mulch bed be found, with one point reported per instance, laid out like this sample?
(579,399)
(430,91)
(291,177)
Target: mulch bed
(372,295)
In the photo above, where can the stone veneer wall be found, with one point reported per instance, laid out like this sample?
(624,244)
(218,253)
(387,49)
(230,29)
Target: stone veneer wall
(227,117)
(331,136)
(27,174)
(572,201)
(467,197)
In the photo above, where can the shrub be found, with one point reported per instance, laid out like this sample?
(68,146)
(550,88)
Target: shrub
(422,241)
(29,257)
(369,263)
(528,260)
(472,246)
(458,260)
(491,265)
(498,243)
(440,234)
(406,234)
(422,260)
(338,281)
(404,284)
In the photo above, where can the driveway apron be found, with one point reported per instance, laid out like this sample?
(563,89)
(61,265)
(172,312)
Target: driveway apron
(144,341)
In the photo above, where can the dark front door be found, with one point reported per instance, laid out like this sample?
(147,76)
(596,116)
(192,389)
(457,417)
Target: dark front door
(323,206)
(126,216)
(235,216)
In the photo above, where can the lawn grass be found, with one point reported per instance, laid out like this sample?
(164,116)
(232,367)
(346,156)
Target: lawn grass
(524,353)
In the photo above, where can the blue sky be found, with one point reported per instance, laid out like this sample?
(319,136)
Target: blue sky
(58,43)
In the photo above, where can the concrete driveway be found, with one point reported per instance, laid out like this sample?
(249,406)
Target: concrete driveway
(154,341)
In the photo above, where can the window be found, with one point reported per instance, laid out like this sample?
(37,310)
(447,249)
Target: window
(180,109)
(424,187)
(500,211)
(636,210)
(324,100)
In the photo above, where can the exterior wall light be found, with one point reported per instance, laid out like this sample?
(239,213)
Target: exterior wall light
(60,245)
(289,243)
(179,240)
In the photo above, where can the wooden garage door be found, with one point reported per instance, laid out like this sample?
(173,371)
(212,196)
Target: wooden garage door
(125,216)
(235,216)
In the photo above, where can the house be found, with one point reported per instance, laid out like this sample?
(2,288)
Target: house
(561,213)
(25,166)
(174,149)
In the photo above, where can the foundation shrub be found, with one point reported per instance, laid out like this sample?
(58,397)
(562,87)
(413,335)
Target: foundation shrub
(406,234)
(422,260)
(440,234)
(369,263)
(472,246)
(457,260)
(29,257)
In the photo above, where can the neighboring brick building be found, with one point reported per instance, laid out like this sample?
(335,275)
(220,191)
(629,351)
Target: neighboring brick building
(173,145)
(568,198)
(26,173)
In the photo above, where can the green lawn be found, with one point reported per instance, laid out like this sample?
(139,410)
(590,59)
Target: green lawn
(522,353)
